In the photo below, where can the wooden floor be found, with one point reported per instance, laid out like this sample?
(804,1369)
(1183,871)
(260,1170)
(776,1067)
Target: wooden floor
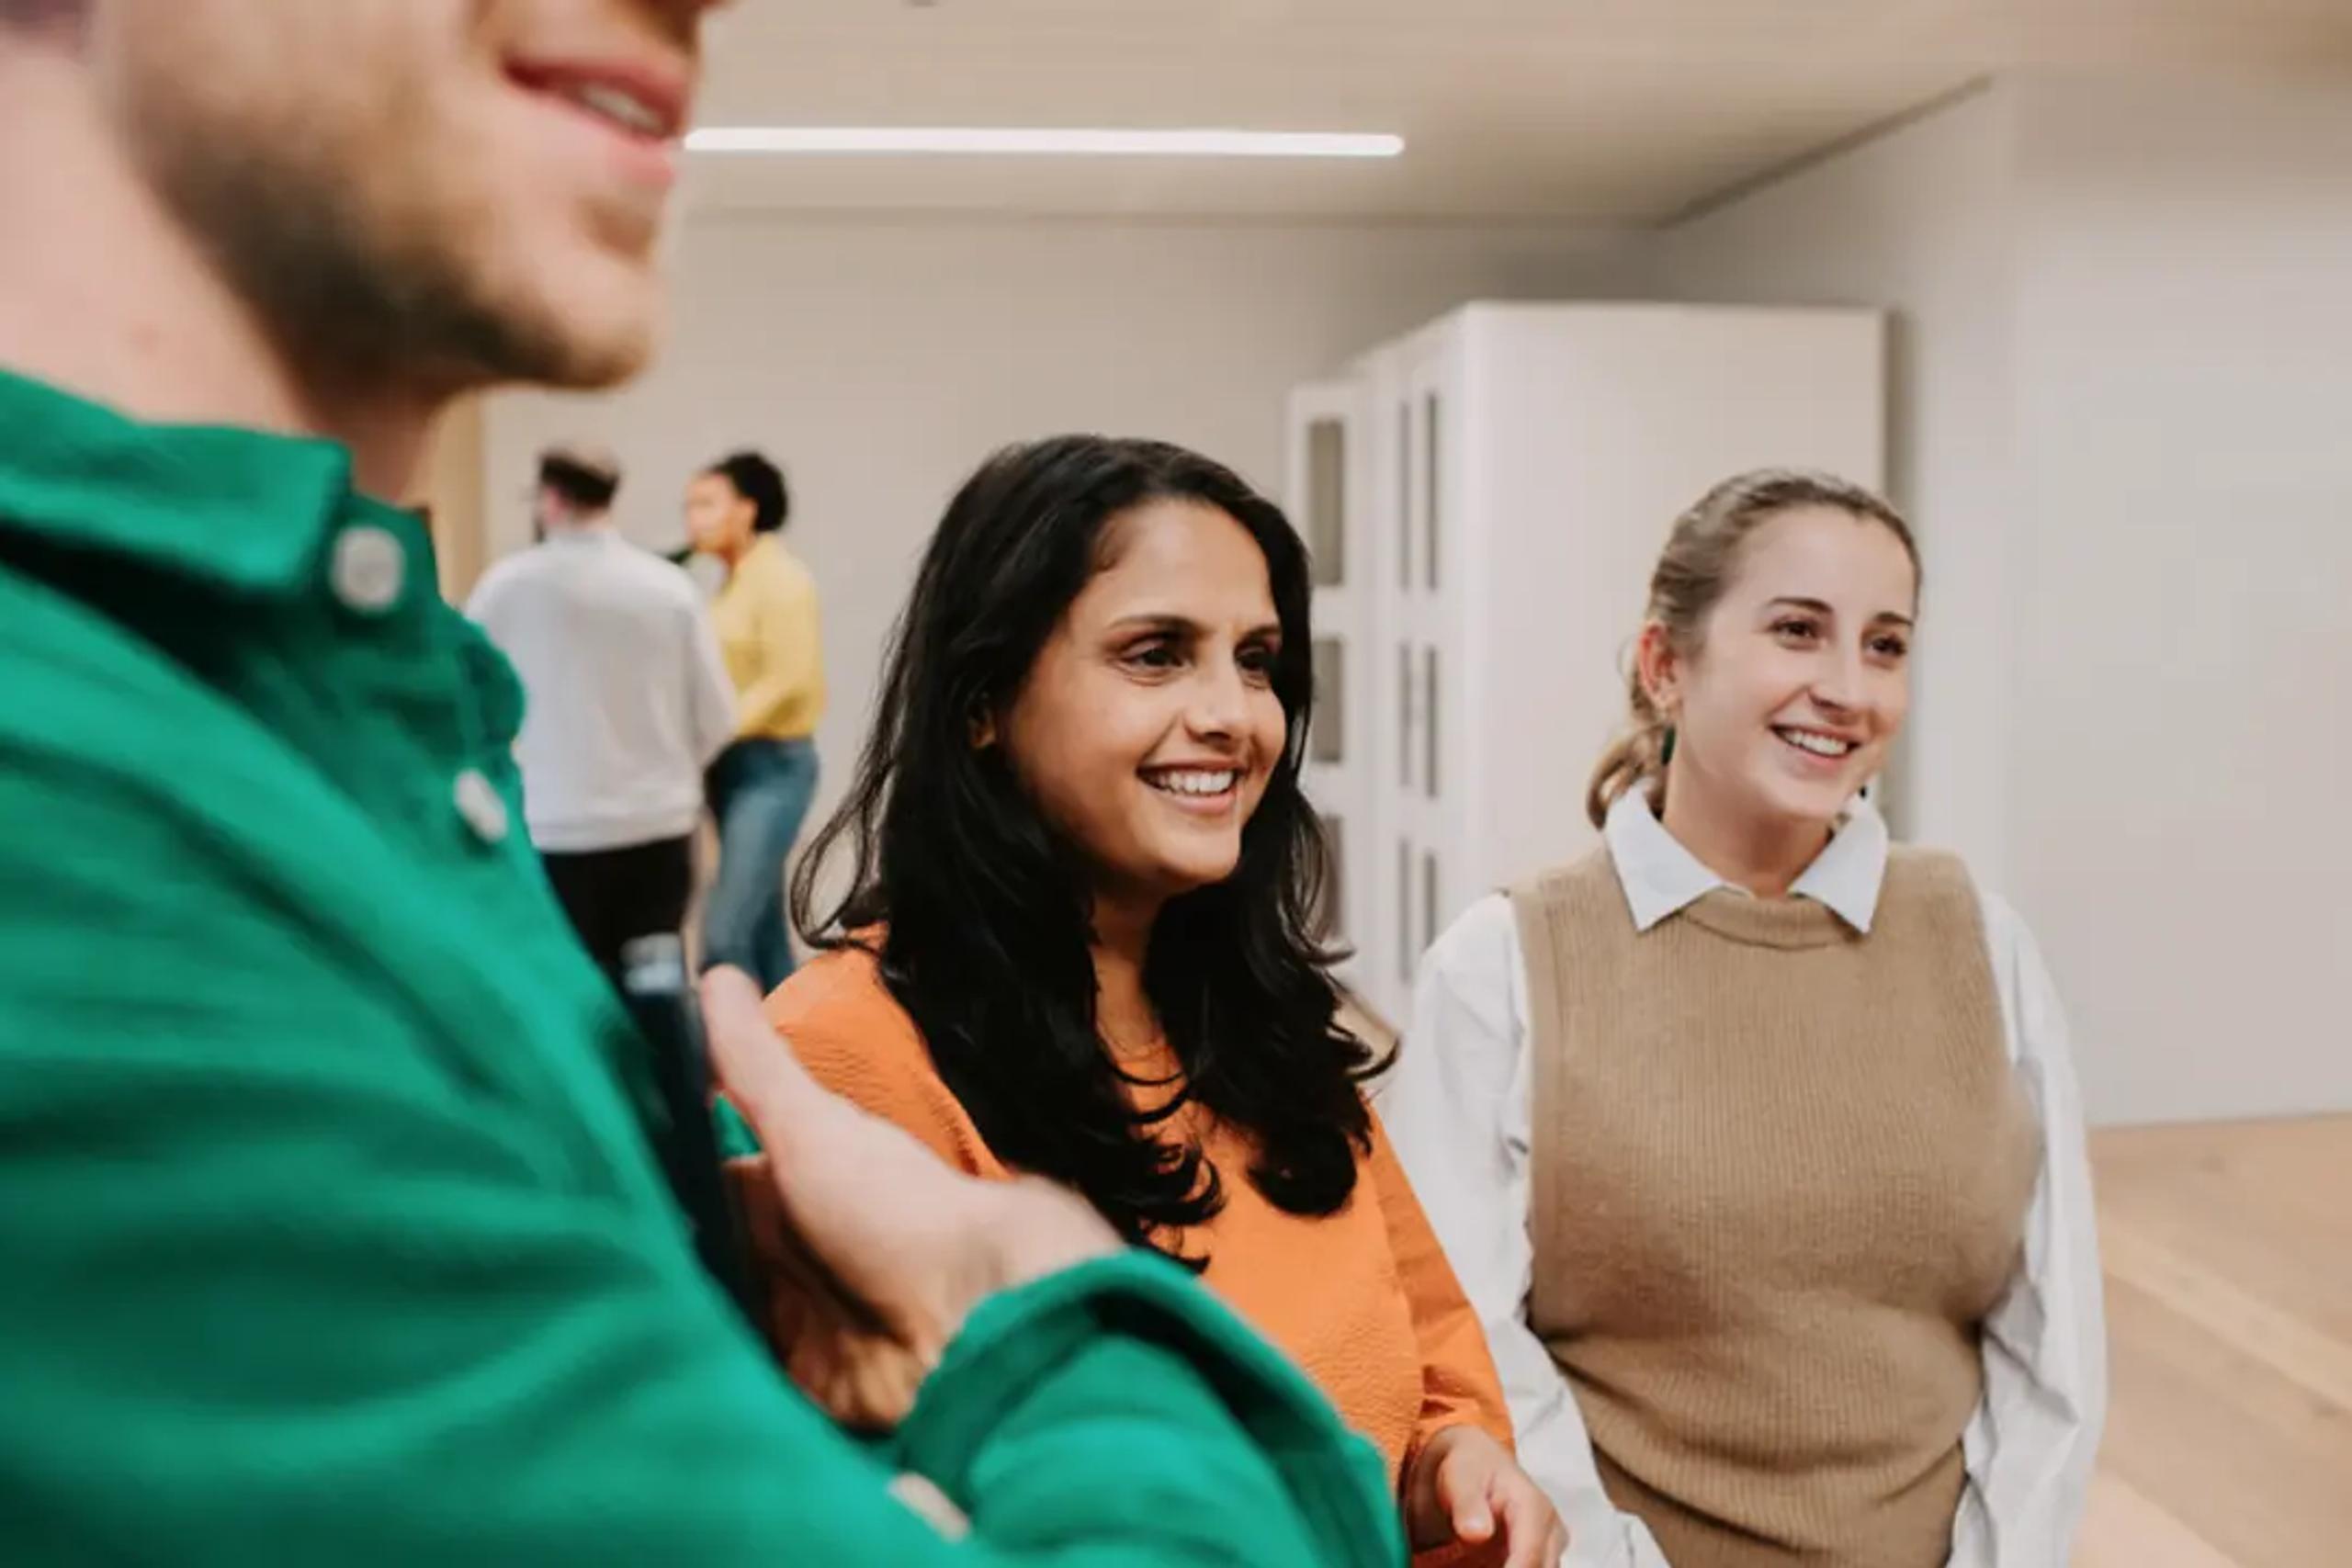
(2228,1251)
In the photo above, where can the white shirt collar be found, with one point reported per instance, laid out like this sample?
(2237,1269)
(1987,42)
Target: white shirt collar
(1662,878)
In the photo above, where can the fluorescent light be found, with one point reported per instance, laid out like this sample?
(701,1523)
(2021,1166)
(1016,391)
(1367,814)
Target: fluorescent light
(1019,141)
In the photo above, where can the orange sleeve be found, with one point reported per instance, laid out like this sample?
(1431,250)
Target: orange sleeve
(1459,1383)
(856,1039)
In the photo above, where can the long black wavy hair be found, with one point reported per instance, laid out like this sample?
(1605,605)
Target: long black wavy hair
(984,905)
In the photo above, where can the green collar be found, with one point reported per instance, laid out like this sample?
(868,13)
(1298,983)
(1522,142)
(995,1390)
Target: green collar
(246,513)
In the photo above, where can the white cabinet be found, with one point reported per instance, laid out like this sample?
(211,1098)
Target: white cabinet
(1484,499)
(1327,480)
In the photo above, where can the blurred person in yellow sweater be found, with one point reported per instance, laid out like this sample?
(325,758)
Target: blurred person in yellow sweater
(760,785)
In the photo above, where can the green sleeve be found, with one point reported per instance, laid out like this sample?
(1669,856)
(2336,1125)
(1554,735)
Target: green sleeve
(281,1282)
(1054,1421)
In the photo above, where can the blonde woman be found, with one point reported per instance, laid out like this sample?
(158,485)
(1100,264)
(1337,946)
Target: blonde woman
(1754,1140)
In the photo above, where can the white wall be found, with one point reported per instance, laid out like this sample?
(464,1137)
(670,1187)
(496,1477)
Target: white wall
(2121,362)
(1918,220)
(1591,430)
(879,360)
(2184,732)
(2124,363)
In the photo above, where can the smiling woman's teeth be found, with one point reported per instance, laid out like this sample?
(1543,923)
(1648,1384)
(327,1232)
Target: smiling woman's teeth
(1819,745)
(1200,783)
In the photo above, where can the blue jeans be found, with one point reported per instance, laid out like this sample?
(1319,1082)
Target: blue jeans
(760,790)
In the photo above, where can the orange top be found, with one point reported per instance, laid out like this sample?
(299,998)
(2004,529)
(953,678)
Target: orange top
(1363,1300)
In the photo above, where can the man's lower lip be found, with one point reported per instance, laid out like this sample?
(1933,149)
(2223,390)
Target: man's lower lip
(644,159)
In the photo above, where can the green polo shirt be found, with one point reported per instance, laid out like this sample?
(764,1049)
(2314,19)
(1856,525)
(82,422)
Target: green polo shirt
(328,1230)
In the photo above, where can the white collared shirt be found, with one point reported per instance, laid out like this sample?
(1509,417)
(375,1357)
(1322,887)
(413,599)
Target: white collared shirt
(1457,1106)
(625,695)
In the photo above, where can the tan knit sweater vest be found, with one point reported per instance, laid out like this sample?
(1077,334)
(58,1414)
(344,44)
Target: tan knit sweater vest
(1780,1177)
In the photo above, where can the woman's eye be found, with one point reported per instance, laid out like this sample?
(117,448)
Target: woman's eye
(1890,647)
(1154,656)
(1796,629)
(1258,663)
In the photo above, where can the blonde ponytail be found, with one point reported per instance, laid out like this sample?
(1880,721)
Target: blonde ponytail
(1636,759)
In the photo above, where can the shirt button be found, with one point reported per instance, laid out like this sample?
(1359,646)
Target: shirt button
(479,804)
(369,570)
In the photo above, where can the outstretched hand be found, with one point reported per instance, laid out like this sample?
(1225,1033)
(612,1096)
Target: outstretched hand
(882,1248)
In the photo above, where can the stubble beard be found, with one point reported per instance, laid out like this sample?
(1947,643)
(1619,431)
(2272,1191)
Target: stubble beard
(367,282)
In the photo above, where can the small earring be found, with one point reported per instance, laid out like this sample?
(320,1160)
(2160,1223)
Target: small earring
(1665,752)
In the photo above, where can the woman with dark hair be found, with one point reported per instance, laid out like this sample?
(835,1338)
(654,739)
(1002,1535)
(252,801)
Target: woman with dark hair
(760,785)
(1076,941)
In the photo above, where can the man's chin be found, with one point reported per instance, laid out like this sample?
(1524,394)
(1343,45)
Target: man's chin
(592,366)
(465,344)
(582,355)
(580,335)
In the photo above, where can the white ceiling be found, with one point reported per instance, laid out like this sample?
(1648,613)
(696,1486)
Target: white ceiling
(1609,111)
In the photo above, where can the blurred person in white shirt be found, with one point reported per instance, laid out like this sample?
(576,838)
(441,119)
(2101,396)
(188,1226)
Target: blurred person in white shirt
(625,701)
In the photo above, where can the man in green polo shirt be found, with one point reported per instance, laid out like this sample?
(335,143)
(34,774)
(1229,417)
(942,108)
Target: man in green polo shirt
(328,1231)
